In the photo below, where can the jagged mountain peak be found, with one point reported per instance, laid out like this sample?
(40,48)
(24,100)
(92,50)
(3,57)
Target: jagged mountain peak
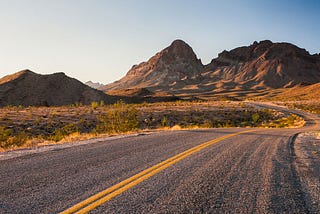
(179,47)
(178,51)
(265,65)
(261,65)
(173,65)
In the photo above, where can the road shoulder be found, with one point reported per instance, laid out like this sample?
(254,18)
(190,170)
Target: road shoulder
(52,147)
(307,164)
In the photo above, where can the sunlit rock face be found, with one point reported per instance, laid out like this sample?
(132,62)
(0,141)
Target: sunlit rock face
(172,67)
(266,65)
(261,65)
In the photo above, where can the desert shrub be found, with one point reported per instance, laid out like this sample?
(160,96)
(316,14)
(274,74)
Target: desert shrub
(289,121)
(255,117)
(18,140)
(120,118)
(4,133)
(60,133)
(164,121)
(94,105)
(10,140)
(77,104)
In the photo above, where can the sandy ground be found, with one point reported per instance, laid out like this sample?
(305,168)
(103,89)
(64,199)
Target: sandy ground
(307,163)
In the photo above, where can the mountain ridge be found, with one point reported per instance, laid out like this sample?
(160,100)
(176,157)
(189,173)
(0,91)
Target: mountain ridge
(261,65)
(261,69)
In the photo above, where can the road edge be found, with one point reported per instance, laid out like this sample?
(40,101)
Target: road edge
(299,169)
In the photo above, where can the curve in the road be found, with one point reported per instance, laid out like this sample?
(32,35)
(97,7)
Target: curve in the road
(109,193)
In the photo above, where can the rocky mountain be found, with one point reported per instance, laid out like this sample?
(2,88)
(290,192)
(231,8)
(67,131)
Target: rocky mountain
(172,67)
(30,89)
(261,65)
(94,85)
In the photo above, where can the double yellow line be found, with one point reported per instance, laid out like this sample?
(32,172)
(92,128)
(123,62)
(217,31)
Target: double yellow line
(107,194)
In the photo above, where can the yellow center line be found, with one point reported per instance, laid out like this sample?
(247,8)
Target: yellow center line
(111,192)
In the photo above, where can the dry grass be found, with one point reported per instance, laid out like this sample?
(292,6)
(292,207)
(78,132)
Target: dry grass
(312,106)
(32,126)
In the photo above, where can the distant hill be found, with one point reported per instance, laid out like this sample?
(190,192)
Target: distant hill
(260,66)
(94,85)
(30,89)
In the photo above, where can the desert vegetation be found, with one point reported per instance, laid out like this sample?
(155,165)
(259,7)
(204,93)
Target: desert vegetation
(309,106)
(31,126)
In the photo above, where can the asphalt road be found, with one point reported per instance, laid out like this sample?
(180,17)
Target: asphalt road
(246,173)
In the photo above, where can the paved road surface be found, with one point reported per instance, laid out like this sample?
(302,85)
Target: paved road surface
(250,172)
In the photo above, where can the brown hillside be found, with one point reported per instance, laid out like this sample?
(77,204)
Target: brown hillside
(310,92)
(261,66)
(173,67)
(264,65)
(30,89)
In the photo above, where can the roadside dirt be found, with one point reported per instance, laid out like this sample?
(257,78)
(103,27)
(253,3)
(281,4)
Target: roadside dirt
(307,164)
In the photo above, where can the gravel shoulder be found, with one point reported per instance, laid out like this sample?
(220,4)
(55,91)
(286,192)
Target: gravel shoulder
(55,147)
(307,164)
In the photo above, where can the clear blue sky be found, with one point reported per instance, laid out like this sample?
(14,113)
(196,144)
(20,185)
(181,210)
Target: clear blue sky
(100,40)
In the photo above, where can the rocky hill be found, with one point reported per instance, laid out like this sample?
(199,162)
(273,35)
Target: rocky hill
(262,65)
(173,67)
(30,89)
